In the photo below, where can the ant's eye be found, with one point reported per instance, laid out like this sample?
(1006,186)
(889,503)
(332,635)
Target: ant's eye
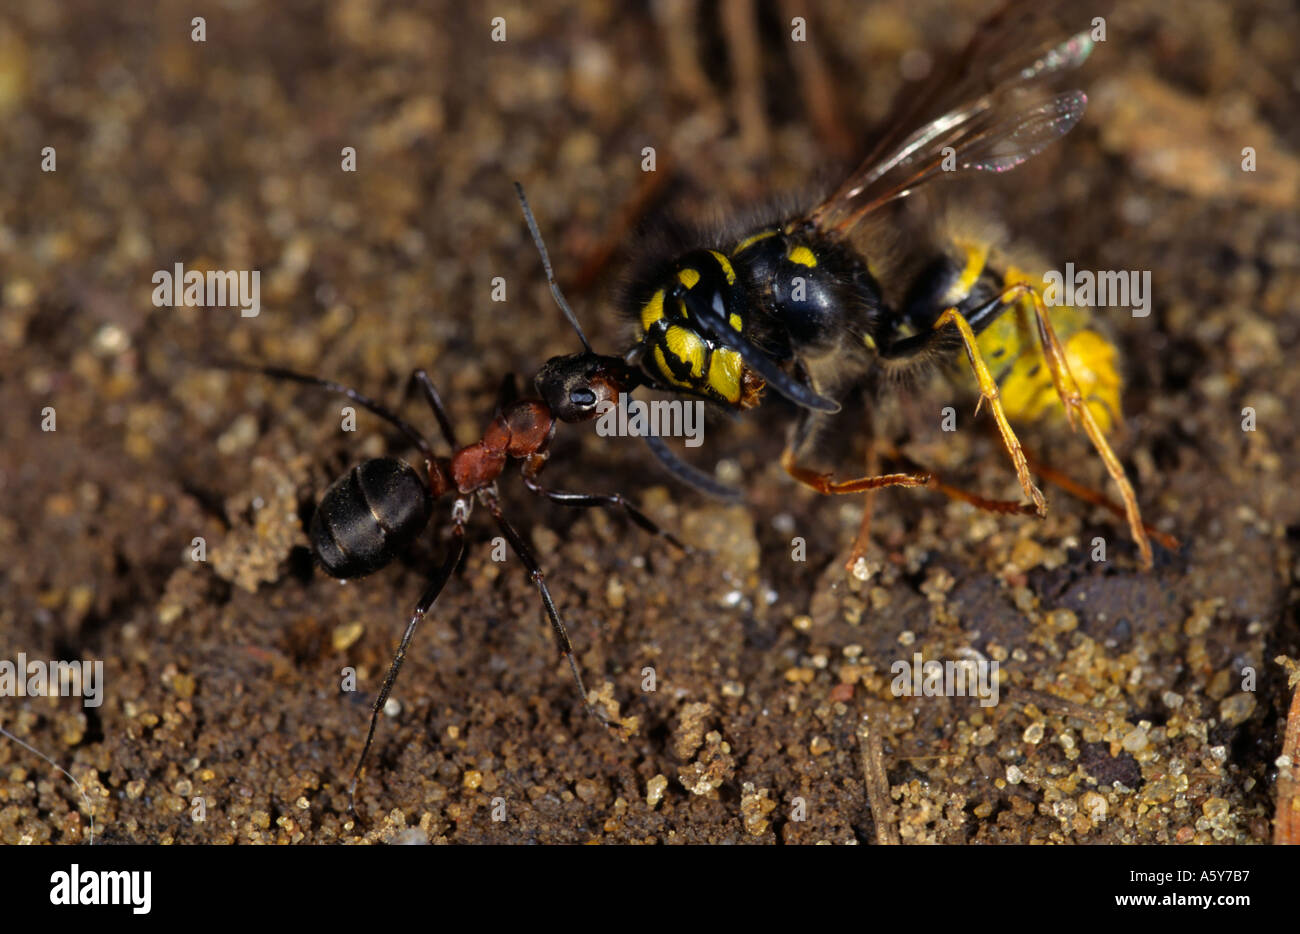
(582,398)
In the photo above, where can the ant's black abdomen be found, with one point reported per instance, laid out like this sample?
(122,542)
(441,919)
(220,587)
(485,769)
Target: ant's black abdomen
(368,516)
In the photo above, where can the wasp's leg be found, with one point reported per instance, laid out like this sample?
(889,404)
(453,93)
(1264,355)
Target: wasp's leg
(826,483)
(989,392)
(1075,408)
(1096,498)
(1000,506)
(1015,507)
(1006,507)
(862,543)
(1067,390)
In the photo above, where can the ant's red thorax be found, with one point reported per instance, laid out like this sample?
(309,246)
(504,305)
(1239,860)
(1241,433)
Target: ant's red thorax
(524,428)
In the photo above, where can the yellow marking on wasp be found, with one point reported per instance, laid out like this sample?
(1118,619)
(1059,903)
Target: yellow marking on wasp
(686,346)
(1027,390)
(750,241)
(1028,393)
(735,322)
(725,371)
(1092,360)
(688,277)
(1017,276)
(869,341)
(977,255)
(989,392)
(727,269)
(801,255)
(666,371)
(1082,375)
(652,310)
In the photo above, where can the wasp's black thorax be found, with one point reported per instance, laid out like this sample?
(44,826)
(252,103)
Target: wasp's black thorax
(817,291)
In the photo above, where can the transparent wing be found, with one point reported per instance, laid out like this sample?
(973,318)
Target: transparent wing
(991,111)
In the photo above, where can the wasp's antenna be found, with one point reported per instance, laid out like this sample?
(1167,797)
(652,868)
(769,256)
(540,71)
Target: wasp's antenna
(546,263)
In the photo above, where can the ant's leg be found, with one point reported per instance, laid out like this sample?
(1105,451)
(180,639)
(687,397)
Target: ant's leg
(535,574)
(365,402)
(533,467)
(435,403)
(431,593)
(506,394)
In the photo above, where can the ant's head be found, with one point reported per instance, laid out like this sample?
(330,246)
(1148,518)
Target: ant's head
(575,386)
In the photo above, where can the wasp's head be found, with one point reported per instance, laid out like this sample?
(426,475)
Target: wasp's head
(675,354)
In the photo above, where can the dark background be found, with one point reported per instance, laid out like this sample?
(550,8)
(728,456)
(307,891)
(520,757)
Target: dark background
(222,677)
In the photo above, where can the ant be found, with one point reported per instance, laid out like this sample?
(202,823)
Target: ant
(372,513)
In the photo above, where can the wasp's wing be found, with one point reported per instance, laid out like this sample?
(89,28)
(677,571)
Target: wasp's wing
(987,136)
(1025,42)
(992,111)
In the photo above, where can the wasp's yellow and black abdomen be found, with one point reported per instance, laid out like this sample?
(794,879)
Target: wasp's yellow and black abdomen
(969,278)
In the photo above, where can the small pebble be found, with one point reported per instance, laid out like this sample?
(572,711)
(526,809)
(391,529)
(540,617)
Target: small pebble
(654,790)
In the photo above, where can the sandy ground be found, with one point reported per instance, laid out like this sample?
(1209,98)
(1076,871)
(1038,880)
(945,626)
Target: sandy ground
(1127,710)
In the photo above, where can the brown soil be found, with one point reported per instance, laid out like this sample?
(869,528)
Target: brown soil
(1123,715)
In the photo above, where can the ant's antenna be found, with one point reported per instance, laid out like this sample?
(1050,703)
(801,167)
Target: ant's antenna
(546,263)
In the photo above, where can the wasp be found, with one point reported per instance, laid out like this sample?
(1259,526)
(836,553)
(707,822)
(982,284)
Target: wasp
(802,307)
